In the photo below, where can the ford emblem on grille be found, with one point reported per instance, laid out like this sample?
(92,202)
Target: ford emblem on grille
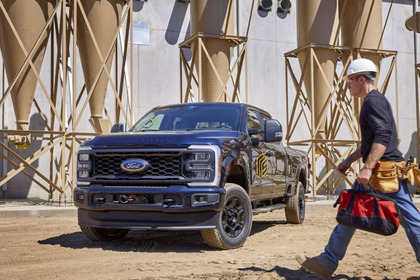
(134,165)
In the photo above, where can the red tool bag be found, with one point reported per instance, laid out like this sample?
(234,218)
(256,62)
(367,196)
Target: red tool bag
(367,210)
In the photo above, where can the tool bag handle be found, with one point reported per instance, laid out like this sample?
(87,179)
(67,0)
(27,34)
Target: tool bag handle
(360,189)
(356,188)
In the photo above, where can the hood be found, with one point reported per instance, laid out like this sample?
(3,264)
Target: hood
(161,139)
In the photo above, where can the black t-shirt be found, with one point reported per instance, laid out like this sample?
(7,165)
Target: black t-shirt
(378,125)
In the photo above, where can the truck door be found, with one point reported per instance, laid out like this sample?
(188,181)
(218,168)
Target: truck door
(278,155)
(280,186)
(262,162)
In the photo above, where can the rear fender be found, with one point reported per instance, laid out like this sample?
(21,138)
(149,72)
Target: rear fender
(300,176)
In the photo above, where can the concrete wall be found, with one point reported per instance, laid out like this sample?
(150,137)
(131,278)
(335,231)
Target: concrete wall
(157,66)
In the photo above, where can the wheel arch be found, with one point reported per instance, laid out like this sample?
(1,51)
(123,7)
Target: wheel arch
(301,176)
(237,176)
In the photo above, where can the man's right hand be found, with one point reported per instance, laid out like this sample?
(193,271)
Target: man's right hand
(343,166)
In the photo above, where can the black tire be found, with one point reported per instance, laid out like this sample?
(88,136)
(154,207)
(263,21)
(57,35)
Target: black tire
(235,220)
(103,234)
(295,207)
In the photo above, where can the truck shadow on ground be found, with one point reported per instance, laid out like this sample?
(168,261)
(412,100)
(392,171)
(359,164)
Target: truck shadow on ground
(291,274)
(148,240)
(259,226)
(136,241)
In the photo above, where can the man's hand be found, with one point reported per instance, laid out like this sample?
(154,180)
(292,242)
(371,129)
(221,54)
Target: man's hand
(343,166)
(364,176)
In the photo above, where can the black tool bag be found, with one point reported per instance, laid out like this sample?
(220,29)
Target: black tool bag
(367,210)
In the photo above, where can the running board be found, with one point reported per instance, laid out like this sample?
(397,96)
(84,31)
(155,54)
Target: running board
(268,208)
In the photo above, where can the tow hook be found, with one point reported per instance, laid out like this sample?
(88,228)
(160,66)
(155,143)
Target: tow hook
(124,199)
(131,198)
(168,202)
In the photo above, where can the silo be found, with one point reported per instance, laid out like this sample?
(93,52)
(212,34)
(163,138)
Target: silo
(104,17)
(361,27)
(29,17)
(317,24)
(413,23)
(214,19)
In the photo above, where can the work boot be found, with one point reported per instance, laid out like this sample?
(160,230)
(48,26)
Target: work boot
(312,265)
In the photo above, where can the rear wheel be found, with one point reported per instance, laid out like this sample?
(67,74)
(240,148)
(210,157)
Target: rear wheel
(235,221)
(295,207)
(103,234)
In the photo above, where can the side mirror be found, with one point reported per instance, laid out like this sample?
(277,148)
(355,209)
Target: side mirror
(273,131)
(118,127)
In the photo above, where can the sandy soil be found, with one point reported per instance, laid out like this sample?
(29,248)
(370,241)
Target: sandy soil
(54,248)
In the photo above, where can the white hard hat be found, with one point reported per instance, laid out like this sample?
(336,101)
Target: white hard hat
(361,66)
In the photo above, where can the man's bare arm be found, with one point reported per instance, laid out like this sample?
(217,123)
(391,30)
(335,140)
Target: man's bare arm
(342,167)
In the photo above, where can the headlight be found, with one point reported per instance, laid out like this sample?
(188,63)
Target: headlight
(84,163)
(83,174)
(202,165)
(84,157)
(201,156)
(200,174)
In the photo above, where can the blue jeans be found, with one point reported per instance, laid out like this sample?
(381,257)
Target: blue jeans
(341,235)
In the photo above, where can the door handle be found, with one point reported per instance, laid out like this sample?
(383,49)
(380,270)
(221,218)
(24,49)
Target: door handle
(269,153)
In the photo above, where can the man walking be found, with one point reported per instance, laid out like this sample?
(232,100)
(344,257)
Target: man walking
(379,143)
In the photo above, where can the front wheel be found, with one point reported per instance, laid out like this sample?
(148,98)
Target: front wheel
(295,207)
(103,234)
(235,220)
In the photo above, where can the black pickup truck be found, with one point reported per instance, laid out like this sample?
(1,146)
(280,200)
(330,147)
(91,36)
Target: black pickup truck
(193,166)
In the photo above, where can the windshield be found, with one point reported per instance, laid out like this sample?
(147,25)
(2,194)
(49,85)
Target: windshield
(214,117)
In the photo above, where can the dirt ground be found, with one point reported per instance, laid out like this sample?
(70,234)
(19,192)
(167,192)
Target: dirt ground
(54,248)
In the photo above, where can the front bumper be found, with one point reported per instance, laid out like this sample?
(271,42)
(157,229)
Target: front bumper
(135,207)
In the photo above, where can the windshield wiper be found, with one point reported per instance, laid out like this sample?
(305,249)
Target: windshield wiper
(148,130)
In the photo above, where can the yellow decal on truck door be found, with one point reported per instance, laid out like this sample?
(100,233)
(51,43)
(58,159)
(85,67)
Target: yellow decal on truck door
(261,165)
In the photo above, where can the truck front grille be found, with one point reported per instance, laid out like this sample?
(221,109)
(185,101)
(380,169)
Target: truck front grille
(162,166)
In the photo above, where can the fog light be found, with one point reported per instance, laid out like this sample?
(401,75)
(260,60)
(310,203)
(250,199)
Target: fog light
(98,198)
(80,197)
(205,199)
